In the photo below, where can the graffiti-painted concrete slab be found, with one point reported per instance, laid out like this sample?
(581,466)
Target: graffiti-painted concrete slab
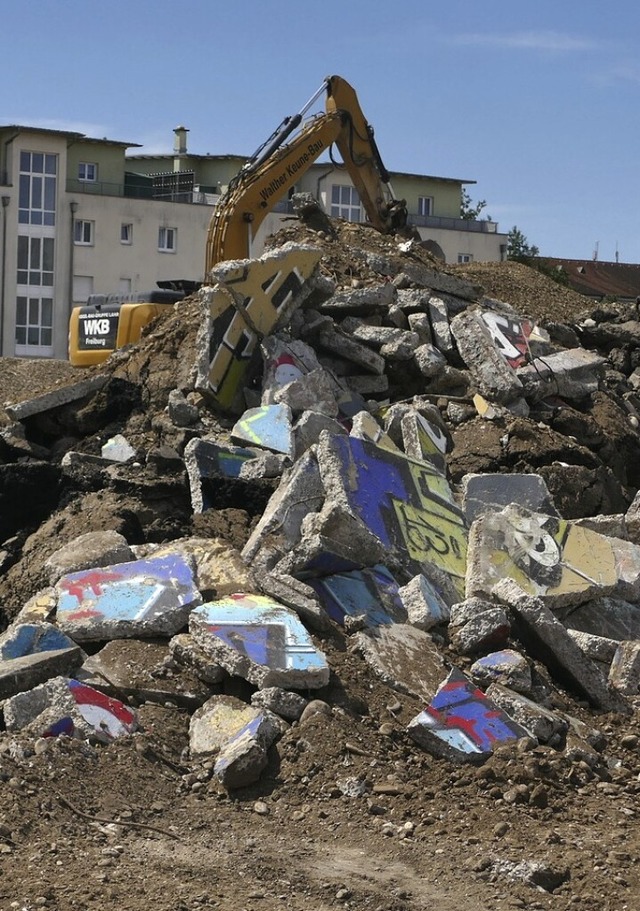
(22,639)
(424,441)
(40,607)
(220,569)
(365,427)
(408,505)
(139,669)
(268,426)
(494,377)
(254,637)
(482,493)
(543,724)
(64,706)
(562,563)
(25,673)
(216,722)
(284,361)
(461,724)
(250,299)
(517,340)
(141,599)
(405,658)
(371,594)
(207,462)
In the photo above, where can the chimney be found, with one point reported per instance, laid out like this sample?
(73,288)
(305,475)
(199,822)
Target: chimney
(180,141)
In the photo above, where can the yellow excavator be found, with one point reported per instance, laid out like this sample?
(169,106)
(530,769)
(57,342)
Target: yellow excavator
(107,322)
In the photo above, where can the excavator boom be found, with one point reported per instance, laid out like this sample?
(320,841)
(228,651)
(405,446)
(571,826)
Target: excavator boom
(275,168)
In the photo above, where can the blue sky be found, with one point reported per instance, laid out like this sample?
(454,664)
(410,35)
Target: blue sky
(538,105)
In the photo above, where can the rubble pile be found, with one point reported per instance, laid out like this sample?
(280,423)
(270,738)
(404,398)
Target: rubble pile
(337,462)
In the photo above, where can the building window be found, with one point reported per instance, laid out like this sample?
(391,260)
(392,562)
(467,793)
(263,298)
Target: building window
(126,234)
(37,192)
(167,240)
(345,203)
(425,206)
(82,288)
(88,171)
(83,232)
(465,257)
(35,261)
(34,322)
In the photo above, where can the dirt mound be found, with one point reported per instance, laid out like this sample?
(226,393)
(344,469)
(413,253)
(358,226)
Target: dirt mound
(349,811)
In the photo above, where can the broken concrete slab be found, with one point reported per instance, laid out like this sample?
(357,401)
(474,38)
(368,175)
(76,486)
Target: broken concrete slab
(181,412)
(562,563)
(28,671)
(365,427)
(207,459)
(507,667)
(39,608)
(461,724)
(482,493)
(216,722)
(95,548)
(242,759)
(473,631)
(307,430)
(518,340)
(495,379)
(543,724)
(250,298)
(407,505)
(366,384)
(624,674)
(315,390)
(118,449)
(423,604)
(295,594)
(377,298)
(610,617)
(440,329)
(547,640)
(257,638)
(403,657)
(371,595)
(284,360)
(429,360)
(284,703)
(49,400)
(144,598)
(220,570)
(425,440)
(339,343)
(571,375)
(598,648)
(144,671)
(268,427)
(66,706)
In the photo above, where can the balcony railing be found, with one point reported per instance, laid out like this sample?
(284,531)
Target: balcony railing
(454,224)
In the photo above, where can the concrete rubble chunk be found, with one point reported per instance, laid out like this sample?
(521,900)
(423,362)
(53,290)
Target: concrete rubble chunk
(288,705)
(429,361)
(144,598)
(300,492)
(313,390)
(39,608)
(425,440)
(187,653)
(344,346)
(66,706)
(613,618)
(540,722)
(266,466)
(461,724)
(507,667)
(118,449)
(268,427)
(403,657)
(547,640)
(296,595)
(560,562)
(370,595)
(598,648)
(144,671)
(257,638)
(49,400)
(248,300)
(419,321)
(572,375)
(207,462)
(216,722)
(307,430)
(365,427)
(181,412)
(624,674)
(28,671)
(377,336)
(482,493)
(377,298)
(219,567)
(93,549)
(423,604)
(366,384)
(488,628)
(440,329)
(495,379)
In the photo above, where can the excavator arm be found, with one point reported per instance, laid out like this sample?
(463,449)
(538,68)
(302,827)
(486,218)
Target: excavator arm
(277,165)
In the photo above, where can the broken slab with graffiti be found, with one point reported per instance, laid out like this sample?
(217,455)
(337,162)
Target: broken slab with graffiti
(207,461)
(144,598)
(507,666)
(541,722)
(461,724)
(268,427)
(518,340)
(66,706)
(370,595)
(248,300)
(257,638)
(22,639)
(406,504)
(494,377)
(483,493)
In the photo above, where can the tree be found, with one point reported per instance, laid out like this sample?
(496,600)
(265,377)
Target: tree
(519,248)
(469,210)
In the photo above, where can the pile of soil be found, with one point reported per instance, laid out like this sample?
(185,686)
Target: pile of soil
(350,813)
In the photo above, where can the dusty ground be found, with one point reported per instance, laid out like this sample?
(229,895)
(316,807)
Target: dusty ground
(137,825)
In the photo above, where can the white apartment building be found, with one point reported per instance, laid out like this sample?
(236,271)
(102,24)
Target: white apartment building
(79,216)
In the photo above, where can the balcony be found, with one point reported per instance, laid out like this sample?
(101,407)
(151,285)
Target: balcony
(140,190)
(454,224)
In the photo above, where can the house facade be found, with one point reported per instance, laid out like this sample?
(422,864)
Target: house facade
(81,215)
